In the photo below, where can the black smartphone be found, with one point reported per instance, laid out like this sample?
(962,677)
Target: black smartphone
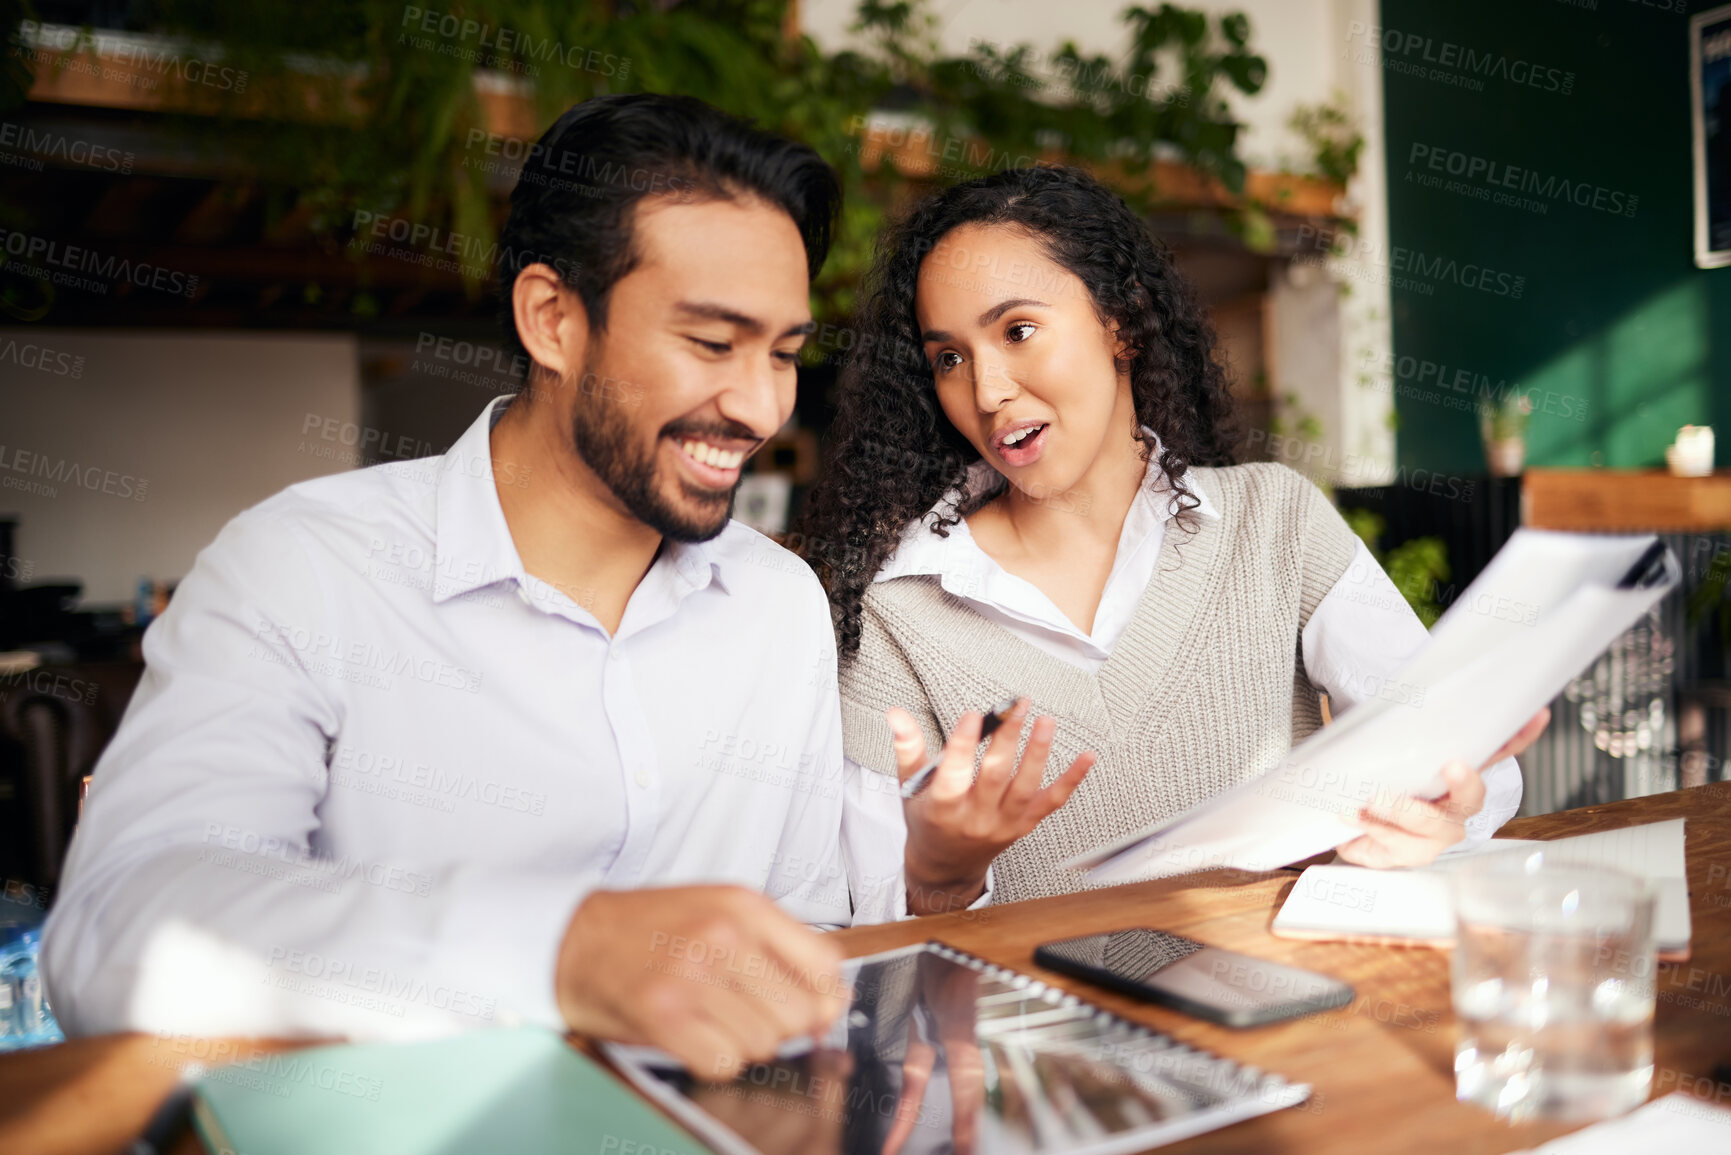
(1222,986)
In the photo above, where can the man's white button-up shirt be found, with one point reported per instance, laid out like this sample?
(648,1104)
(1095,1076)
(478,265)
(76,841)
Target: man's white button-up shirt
(373,766)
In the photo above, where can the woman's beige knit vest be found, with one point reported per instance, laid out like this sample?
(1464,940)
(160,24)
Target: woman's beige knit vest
(1205,689)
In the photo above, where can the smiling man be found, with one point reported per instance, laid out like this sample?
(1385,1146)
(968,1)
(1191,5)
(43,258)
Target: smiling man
(532,731)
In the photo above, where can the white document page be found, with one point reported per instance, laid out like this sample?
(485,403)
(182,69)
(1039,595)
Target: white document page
(1678,1124)
(1538,615)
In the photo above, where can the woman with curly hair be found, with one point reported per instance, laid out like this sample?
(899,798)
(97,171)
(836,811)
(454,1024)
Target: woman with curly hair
(1031,491)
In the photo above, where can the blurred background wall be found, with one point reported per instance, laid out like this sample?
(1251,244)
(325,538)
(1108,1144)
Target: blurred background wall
(138,460)
(1614,321)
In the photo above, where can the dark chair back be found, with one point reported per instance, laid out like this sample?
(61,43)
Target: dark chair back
(61,718)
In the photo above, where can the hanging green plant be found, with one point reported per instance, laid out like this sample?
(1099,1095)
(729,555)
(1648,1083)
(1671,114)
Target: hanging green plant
(373,106)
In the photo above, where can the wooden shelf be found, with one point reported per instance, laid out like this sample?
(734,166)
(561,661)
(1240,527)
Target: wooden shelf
(104,74)
(917,153)
(1625,500)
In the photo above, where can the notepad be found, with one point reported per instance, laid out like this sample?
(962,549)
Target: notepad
(521,1090)
(1413,907)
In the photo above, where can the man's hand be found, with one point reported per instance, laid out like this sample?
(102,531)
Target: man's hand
(716,976)
(960,823)
(1413,831)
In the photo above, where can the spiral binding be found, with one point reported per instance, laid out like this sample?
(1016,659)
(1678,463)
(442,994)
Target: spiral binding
(1229,1071)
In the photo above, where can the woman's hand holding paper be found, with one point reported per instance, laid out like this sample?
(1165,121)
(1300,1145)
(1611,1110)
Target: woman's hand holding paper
(1413,831)
(959,824)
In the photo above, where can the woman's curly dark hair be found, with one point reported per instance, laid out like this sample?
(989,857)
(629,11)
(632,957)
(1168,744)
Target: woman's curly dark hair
(894,454)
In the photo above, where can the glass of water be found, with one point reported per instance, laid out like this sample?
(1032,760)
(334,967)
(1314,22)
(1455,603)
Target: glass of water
(1552,974)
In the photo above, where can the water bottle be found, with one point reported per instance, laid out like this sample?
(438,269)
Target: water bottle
(25,1019)
(9,1029)
(144,604)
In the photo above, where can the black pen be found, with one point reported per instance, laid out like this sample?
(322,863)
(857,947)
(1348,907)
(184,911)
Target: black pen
(921,778)
(1648,568)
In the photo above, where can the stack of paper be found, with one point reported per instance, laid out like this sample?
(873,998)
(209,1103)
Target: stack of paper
(1546,606)
(1413,907)
(1679,1124)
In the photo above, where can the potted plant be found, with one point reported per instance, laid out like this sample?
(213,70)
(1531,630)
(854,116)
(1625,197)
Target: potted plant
(1503,425)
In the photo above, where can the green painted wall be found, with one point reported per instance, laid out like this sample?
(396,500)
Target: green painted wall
(1599,313)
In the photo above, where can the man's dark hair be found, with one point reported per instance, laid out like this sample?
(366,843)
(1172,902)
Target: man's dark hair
(573,205)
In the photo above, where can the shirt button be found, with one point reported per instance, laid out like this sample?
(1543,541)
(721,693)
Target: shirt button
(613,654)
(641,777)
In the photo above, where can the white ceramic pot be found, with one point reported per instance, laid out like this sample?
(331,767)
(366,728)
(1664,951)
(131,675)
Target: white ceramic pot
(1506,455)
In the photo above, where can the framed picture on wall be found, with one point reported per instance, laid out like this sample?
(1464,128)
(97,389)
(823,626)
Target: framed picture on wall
(1710,92)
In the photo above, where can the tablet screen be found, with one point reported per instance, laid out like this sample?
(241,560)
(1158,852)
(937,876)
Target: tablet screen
(940,1052)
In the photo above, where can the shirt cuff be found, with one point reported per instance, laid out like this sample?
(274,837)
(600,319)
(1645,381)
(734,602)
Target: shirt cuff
(901,912)
(1503,789)
(498,947)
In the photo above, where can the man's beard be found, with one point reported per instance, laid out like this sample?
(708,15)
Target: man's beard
(603,437)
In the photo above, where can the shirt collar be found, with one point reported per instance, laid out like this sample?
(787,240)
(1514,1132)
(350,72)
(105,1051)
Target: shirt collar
(472,542)
(963,566)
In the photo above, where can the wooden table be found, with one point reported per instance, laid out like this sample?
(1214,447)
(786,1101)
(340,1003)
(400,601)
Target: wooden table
(1382,1069)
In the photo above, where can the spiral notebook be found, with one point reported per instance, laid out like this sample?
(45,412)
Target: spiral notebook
(941,1051)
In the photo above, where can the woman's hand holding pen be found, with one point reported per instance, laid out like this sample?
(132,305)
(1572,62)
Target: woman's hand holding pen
(1413,831)
(960,823)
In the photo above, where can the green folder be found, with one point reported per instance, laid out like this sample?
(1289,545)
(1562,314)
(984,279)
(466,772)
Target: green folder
(519,1090)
